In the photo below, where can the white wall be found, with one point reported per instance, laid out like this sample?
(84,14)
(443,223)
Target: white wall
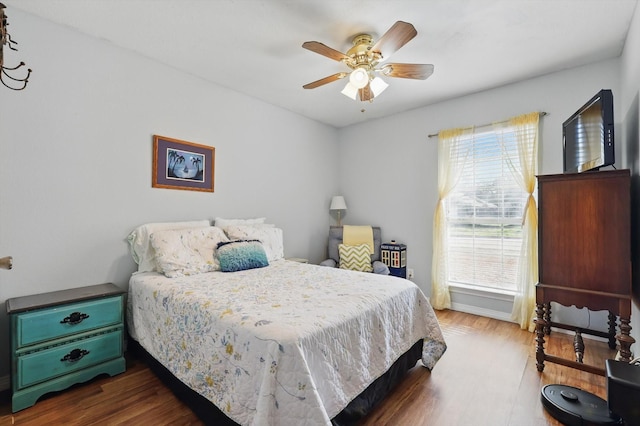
(393,182)
(75,158)
(630,119)
(76,154)
(394,157)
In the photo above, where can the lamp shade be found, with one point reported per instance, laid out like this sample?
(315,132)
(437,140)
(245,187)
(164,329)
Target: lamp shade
(337,203)
(350,90)
(378,85)
(359,78)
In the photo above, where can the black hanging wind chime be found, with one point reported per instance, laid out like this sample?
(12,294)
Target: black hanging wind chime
(5,39)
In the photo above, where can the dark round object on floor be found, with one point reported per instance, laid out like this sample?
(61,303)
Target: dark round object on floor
(575,407)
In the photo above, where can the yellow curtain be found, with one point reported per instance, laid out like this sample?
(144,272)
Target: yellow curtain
(525,128)
(450,162)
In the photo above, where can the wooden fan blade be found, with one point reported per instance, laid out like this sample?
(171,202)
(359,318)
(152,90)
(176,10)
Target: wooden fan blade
(396,37)
(325,80)
(415,71)
(366,94)
(324,50)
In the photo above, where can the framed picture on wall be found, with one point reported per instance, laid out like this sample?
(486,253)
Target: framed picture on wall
(182,165)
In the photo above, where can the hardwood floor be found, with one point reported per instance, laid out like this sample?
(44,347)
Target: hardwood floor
(487,376)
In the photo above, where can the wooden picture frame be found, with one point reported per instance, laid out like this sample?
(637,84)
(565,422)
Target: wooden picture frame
(182,165)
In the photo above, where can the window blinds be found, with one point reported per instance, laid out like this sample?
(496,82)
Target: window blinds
(484,211)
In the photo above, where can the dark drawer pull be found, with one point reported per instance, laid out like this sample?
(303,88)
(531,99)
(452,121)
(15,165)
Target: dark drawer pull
(75,318)
(75,355)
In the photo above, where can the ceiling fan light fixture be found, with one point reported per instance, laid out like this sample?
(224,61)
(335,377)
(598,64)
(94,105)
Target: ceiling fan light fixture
(350,90)
(378,86)
(364,59)
(359,78)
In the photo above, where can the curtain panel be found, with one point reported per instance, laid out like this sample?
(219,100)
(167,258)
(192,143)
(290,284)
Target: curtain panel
(452,158)
(524,169)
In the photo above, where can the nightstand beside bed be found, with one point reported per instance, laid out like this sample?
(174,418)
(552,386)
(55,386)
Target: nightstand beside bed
(62,338)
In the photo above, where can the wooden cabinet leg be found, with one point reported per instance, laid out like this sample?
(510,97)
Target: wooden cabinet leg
(612,330)
(625,340)
(547,318)
(578,346)
(541,325)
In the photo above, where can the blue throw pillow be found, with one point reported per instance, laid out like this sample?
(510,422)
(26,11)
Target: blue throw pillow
(240,255)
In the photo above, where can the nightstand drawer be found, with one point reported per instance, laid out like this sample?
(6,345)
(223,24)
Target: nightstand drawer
(52,323)
(46,364)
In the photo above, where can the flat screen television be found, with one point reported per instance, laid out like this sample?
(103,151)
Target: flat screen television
(587,136)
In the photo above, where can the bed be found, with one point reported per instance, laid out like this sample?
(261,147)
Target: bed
(284,343)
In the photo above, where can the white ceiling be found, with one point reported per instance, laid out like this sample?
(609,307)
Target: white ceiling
(254,46)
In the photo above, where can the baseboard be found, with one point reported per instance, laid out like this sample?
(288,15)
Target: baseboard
(504,316)
(584,335)
(5,383)
(483,312)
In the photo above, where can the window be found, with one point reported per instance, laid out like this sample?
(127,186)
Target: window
(484,213)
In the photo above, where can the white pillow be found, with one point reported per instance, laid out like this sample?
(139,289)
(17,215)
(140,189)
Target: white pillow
(270,237)
(227,222)
(190,251)
(141,249)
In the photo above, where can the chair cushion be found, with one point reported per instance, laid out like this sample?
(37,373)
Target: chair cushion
(355,258)
(335,239)
(380,268)
(329,262)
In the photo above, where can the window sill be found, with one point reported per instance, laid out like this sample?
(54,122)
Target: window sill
(491,293)
(483,302)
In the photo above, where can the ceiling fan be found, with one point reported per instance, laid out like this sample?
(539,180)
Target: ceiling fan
(364,60)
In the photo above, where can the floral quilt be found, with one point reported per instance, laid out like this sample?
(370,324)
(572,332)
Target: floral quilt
(290,343)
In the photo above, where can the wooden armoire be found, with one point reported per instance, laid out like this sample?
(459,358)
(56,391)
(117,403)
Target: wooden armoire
(584,255)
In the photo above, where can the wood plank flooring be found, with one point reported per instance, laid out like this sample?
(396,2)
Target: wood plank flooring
(487,377)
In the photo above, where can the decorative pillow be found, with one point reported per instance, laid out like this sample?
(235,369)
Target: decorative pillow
(355,258)
(270,237)
(240,255)
(218,221)
(141,249)
(191,251)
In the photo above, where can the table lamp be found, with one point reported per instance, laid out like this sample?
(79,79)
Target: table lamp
(338,204)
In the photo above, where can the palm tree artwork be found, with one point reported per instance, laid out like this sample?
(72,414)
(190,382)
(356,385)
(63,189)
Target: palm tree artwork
(177,159)
(196,161)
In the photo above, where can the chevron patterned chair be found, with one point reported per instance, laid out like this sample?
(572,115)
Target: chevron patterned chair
(335,239)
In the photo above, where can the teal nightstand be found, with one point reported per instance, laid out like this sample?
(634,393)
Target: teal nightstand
(62,338)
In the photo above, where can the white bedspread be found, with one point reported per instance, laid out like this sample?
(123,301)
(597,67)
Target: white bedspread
(289,344)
